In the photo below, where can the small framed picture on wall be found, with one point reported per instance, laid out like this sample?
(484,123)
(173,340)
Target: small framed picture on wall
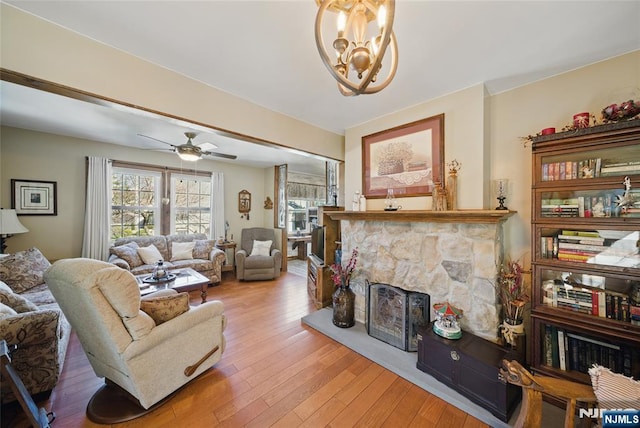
(33,197)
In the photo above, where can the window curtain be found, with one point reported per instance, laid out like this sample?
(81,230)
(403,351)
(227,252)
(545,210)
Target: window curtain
(306,191)
(217,205)
(96,240)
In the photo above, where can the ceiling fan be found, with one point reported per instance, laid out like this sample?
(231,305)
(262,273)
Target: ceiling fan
(190,152)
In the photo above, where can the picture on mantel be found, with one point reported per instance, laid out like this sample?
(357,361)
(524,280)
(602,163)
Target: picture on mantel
(407,159)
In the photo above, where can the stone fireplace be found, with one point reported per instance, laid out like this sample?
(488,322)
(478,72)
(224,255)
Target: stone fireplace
(450,255)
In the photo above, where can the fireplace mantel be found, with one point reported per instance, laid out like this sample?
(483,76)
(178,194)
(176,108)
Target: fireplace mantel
(458,216)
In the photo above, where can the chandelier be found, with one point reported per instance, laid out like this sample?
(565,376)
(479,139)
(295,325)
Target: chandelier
(362,56)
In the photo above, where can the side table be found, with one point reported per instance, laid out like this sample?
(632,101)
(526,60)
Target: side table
(230,262)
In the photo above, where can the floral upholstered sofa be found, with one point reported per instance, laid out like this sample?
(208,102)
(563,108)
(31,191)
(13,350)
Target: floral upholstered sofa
(31,322)
(139,254)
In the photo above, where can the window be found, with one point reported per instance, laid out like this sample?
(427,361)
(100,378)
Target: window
(135,203)
(191,207)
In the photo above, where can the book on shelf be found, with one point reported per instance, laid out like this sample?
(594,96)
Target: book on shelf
(594,248)
(592,301)
(561,350)
(571,170)
(581,239)
(630,167)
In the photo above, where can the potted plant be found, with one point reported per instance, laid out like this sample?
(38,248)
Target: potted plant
(343,296)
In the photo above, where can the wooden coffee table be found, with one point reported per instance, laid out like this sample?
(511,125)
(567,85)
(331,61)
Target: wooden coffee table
(185,279)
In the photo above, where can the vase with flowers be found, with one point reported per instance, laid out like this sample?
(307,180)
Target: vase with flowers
(343,297)
(514,299)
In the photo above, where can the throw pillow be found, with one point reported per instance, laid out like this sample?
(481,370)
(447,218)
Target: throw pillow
(17,302)
(182,251)
(165,308)
(203,248)
(150,255)
(129,253)
(23,270)
(261,248)
(613,390)
(6,311)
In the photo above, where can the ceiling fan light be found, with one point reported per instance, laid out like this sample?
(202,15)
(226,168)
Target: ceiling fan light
(189,157)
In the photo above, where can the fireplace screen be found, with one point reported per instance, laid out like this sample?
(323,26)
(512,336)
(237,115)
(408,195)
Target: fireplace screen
(394,315)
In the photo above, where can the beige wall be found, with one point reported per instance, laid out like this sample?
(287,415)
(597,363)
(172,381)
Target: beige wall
(38,48)
(464,128)
(483,132)
(38,156)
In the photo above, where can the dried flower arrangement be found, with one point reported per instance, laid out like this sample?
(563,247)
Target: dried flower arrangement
(511,291)
(341,276)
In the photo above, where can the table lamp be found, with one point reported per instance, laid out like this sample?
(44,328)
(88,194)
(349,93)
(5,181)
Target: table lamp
(9,226)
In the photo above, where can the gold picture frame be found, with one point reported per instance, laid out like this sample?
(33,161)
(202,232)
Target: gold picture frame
(408,159)
(244,201)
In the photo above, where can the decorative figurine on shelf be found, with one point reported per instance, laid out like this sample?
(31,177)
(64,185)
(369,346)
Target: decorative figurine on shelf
(268,204)
(447,317)
(625,201)
(452,184)
(500,187)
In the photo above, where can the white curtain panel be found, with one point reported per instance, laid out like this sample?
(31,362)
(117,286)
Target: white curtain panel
(217,205)
(97,239)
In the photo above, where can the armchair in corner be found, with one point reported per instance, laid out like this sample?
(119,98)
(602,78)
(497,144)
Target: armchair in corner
(258,258)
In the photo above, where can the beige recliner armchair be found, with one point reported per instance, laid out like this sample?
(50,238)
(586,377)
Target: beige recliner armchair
(143,356)
(258,258)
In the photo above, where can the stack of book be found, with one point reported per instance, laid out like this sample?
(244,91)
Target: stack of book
(579,246)
(567,350)
(620,168)
(589,300)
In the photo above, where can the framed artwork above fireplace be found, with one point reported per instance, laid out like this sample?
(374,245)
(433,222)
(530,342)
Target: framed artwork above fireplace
(408,159)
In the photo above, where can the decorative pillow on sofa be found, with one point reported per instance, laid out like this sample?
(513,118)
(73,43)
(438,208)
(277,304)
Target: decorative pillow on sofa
(261,248)
(203,248)
(129,253)
(23,270)
(150,255)
(182,250)
(614,390)
(16,302)
(165,308)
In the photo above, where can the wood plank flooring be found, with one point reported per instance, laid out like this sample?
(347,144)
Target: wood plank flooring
(274,372)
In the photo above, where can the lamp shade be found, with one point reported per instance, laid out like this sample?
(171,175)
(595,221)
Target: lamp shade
(9,223)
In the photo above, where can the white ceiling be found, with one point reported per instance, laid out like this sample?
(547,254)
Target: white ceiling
(264,52)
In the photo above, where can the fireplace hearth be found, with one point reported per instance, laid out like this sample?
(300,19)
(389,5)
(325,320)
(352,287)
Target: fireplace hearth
(395,314)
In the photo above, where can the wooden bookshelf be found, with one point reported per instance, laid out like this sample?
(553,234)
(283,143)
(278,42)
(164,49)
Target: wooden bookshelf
(585,254)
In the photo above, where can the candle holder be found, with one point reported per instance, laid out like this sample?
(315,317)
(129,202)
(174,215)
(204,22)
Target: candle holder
(500,186)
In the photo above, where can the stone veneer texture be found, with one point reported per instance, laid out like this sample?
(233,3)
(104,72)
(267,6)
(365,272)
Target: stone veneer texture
(455,262)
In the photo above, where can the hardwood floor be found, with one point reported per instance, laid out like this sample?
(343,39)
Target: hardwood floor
(274,372)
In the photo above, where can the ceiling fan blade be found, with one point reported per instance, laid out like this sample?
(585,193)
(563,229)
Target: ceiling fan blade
(220,155)
(155,139)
